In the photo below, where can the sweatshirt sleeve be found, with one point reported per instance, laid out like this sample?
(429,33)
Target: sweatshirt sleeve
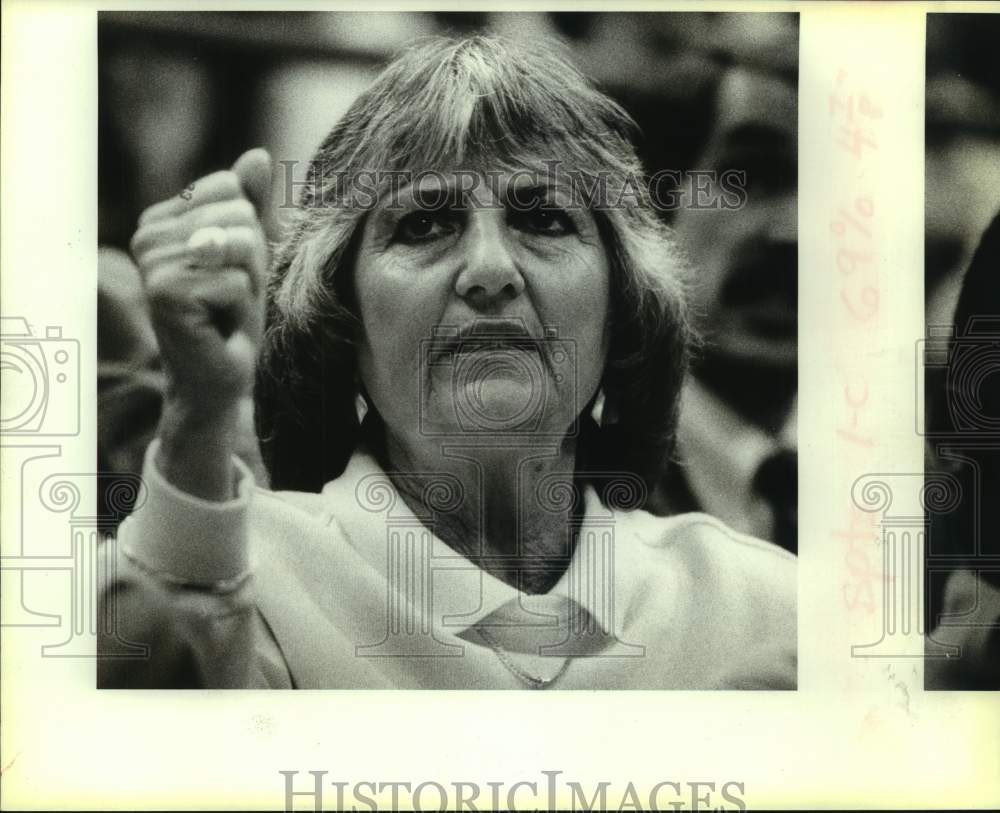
(177,597)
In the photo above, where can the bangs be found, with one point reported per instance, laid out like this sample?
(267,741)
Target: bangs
(477,103)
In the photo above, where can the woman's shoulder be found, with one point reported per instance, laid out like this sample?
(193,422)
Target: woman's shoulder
(706,545)
(737,592)
(304,502)
(302,515)
(696,528)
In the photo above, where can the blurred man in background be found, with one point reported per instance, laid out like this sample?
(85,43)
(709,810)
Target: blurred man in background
(962,151)
(736,439)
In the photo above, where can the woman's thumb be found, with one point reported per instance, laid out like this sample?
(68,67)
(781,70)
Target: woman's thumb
(253,168)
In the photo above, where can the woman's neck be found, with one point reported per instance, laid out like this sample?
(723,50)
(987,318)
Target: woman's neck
(510,514)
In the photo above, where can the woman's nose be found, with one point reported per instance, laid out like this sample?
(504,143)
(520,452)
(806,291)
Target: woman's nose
(490,275)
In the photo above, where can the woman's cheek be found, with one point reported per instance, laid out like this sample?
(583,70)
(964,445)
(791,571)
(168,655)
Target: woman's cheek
(390,293)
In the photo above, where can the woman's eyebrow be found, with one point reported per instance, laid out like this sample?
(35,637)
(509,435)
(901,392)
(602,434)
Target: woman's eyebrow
(407,199)
(434,198)
(403,195)
(525,196)
(460,195)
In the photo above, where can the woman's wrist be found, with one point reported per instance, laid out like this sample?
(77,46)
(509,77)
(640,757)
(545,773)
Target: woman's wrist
(197,447)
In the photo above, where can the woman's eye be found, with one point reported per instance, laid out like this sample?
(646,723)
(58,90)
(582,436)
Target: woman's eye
(546,221)
(420,227)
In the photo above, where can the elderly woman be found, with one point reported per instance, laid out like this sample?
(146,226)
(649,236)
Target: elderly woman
(467,372)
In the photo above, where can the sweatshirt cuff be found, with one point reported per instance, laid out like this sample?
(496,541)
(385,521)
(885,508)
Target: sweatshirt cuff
(186,539)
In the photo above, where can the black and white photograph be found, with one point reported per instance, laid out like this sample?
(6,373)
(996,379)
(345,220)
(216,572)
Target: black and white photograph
(624,374)
(479,374)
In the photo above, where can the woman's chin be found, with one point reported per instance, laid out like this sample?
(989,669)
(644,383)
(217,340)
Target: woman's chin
(500,403)
(490,406)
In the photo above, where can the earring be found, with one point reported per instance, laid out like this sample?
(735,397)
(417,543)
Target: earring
(597,413)
(360,407)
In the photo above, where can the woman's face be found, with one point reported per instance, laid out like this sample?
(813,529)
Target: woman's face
(485,307)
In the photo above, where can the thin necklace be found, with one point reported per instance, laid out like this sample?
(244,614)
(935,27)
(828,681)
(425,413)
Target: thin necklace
(528,680)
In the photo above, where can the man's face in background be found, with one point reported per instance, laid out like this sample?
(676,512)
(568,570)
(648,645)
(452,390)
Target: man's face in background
(745,289)
(961,186)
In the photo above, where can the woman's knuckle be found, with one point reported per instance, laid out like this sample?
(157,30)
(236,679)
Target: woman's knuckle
(244,210)
(228,183)
(142,239)
(148,214)
(149,238)
(137,243)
